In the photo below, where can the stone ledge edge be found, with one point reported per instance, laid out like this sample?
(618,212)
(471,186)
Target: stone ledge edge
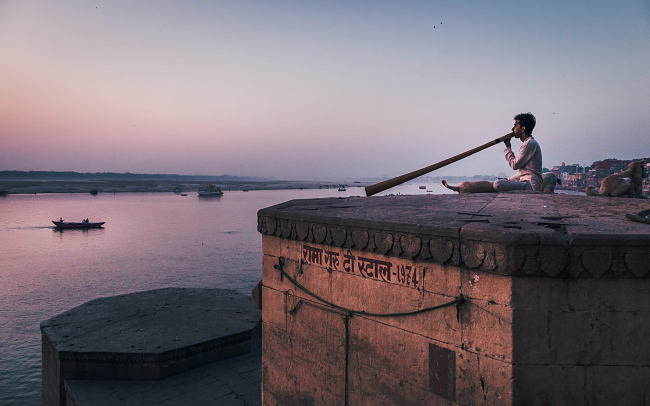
(560,259)
(157,358)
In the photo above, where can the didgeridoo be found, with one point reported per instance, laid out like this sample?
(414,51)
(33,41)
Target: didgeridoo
(387,184)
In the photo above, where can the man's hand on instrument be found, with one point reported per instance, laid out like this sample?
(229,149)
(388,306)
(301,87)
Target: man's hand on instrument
(506,139)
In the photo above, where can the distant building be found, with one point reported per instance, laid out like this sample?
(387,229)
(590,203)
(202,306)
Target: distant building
(578,177)
(572,176)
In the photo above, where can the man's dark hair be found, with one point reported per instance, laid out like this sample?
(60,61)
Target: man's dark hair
(526,120)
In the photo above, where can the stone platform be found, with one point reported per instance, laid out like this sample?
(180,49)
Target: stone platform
(507,233)
(549,300)
(143,336)
(234,381)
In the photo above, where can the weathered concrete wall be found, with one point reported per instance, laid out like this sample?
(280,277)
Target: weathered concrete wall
(557,307)
(582,341)
(322,355)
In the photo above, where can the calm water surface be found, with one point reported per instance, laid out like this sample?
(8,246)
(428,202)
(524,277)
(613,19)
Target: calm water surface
(150,241)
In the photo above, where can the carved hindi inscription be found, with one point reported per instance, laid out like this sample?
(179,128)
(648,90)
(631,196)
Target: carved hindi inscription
(346,261)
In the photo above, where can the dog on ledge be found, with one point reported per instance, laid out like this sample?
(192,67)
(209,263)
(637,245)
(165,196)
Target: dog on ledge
(549,180)
(628,183)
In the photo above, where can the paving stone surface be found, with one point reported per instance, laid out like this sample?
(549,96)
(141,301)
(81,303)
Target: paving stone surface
(531,212)
(151,322)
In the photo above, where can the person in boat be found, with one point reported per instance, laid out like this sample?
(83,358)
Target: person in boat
(527,162)
(61,219)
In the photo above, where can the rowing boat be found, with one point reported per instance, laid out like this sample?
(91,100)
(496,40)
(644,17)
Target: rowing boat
(79,225)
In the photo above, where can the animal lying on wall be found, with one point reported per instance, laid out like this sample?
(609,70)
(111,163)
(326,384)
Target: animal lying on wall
(481,186)
(628,183)
(549,180)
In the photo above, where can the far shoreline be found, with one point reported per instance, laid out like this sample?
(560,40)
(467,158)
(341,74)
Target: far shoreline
(31,187)
(20,186)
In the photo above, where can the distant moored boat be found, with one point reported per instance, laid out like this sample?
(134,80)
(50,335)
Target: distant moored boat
(210,191)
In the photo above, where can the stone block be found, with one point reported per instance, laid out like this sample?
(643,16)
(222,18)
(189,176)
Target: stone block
(580,338)
(540,293)
(277,375)
(611,295)
(486,287)
(600,338)
(620,294)
(274,308)
(317,325)
(482,380)
(272,245)
(372,386)
(549,385)
(531,336)
(487,329)
(279,247)
(306,361)
(441,325)
(376,346)
(441,279)
(256,294)
(272,278)
(143,336)
(388,366)
(617,385)
(52,379)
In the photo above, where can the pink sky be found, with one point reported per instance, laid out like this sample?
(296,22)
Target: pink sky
(316,89)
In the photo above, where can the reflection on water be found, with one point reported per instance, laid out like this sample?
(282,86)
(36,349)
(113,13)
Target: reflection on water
(149,241)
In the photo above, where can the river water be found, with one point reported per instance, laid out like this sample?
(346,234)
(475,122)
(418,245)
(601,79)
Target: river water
(150,241)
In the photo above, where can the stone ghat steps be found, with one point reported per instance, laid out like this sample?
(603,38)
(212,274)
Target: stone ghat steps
(144,336)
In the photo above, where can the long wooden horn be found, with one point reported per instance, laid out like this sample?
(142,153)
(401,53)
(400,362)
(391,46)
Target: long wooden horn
(387,184)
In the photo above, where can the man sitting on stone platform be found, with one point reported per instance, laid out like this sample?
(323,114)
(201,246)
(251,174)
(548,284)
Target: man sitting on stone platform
(528,161)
